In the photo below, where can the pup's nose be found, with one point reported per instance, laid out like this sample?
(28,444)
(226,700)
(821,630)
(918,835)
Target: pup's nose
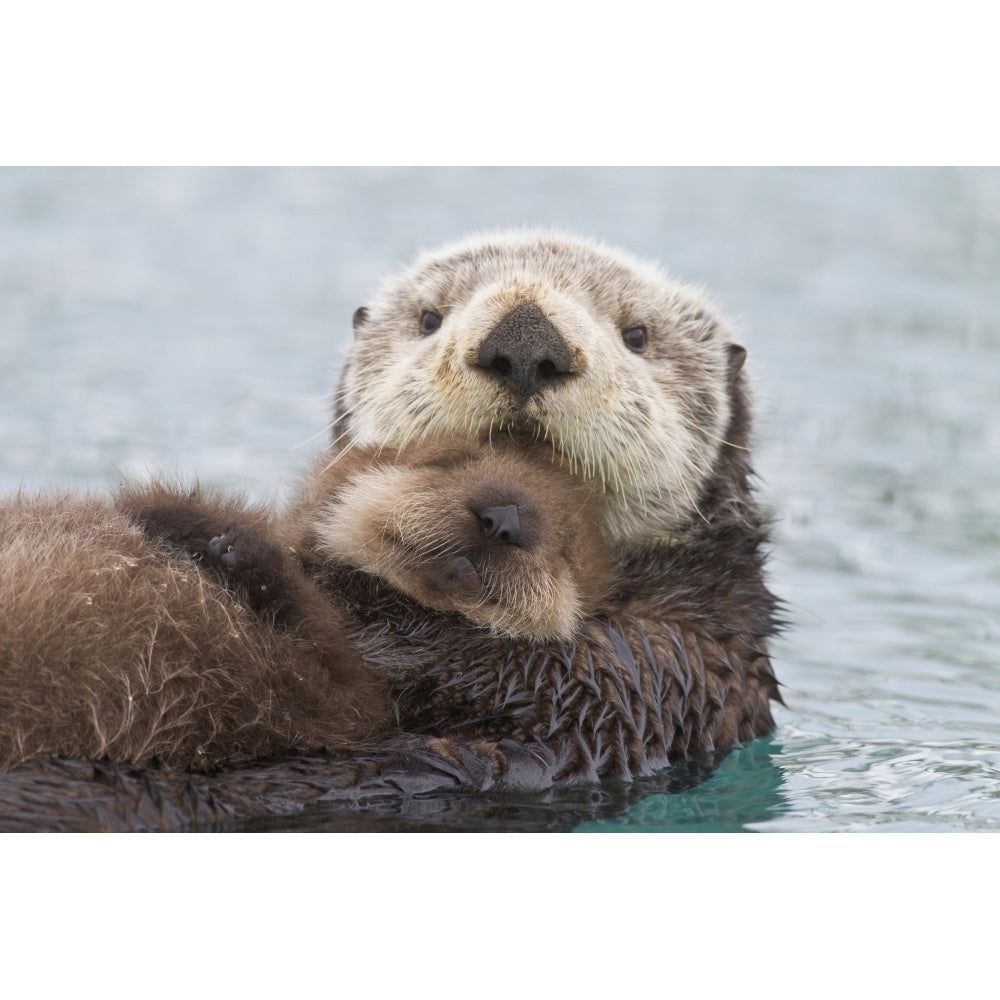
(501,524)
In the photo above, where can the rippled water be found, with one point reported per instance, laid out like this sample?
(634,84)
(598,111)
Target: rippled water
(192,320)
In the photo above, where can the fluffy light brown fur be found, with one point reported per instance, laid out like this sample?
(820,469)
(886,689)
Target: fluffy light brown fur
(112,646)
(172,626)
(414,519)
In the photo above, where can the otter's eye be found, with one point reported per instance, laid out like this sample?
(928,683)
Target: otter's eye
(635,338)
(429,322)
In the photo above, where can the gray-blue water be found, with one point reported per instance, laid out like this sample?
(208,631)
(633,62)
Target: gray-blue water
(192,320)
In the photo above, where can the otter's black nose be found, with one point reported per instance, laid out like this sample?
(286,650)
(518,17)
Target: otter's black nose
(501,524)
(525,351)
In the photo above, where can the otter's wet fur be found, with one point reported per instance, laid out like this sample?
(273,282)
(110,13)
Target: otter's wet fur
(635,386)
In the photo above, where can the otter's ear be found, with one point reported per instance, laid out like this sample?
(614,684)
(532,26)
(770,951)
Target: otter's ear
(360,318)
(737,355)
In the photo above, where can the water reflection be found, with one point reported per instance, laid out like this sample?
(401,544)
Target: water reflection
(749,774)
(390,789)
(745,790)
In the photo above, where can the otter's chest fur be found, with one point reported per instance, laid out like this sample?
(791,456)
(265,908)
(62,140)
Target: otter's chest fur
(674,666)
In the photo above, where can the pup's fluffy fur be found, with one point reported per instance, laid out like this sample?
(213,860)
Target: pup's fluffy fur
(178,626)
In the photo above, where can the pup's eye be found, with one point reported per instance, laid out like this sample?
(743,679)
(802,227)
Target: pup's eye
(635,338)
(429,322)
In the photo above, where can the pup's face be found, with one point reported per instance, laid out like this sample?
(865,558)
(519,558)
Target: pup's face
(501,537)
(624,374)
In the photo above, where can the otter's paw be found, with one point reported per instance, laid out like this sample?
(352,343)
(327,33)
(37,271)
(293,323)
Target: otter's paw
(455,578)
(251,565)
(221,550)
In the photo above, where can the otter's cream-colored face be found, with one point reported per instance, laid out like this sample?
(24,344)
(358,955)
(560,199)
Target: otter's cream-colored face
(624,373)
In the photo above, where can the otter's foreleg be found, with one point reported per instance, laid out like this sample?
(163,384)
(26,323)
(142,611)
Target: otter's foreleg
(254,568)
(230,542)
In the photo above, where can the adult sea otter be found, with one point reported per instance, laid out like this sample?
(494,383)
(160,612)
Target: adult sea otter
(503,349)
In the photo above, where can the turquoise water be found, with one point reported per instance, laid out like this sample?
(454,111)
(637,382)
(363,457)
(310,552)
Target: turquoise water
(192,320)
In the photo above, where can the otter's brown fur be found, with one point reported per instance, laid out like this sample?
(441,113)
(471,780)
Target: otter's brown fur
(171,626)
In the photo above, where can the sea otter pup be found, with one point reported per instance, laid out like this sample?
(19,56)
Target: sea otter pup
(634,387)
(172,626)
